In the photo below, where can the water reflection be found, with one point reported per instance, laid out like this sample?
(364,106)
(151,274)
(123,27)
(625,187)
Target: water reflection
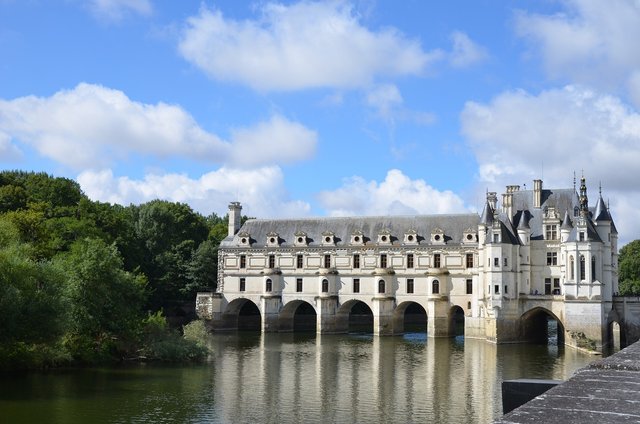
(297,378)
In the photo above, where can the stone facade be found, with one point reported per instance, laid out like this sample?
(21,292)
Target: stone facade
(544,251)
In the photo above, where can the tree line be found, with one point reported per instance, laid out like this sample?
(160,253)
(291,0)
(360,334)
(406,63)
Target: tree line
(83,281)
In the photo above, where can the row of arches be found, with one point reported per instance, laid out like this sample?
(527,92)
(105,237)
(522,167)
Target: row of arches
(301,316)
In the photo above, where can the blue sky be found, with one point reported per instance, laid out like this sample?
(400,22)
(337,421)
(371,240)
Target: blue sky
(324,108)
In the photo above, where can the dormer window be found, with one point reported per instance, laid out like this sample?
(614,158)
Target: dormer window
(244,239)
(357,238)
(273,240)
(469,236)
(300,238)
(437,236)
(384,237)
(328,238)
(411,237)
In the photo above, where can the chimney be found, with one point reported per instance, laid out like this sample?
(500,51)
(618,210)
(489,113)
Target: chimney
(234,218)
(492,198)
(507,200)
(537,193)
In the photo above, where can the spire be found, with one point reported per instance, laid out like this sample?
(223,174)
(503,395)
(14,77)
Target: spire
(584,200)
(487,214)
(523,223)
(566,222)
(602,212)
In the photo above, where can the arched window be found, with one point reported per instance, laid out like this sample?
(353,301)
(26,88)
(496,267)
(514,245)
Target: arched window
(325,286)
(593,268)
(435,287)
(582,268)
(381,286)
(268,285)
(572,268)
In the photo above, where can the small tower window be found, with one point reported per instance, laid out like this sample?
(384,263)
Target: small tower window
(409,285)
(435,287)
(268,287)
(243,284)
(593,268)
(325,286)
(582,268)
(356,285)
(381,286)
(299,285)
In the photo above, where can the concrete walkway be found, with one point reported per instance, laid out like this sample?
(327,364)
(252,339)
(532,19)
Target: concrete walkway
(606,391)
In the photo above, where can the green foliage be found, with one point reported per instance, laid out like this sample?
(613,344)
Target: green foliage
(629,269)
(196,332)
(105,301)
(163,344)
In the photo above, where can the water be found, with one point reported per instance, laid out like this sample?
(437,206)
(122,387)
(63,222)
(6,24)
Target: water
(293,378)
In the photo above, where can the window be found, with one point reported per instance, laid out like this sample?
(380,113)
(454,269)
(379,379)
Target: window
(496,261)
(381,286)
(496,289)
(268,287)
(272,261)
(469,260)
(552,258)
(409,285)
(436,260)
(468,305)
(496,238)
(547,286)
(582,268)
(469,286)
(383,260)
(298,285)
(243,284)
(325,286)
(593,268)
(552,232)
(505,262)
(409,260)
(506,289)
(556,286)
(356,261)
(299,261)
(327,261)
(572,268)
(435,287)
(356,285)
(581,235)
(243,261)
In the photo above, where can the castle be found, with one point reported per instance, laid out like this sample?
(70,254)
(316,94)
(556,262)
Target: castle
(543,254)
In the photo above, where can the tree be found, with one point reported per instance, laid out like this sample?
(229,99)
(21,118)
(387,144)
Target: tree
(629,269)
(105,300)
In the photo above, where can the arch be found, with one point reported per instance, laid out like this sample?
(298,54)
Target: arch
(456,321)
(616,334)
(541,326)
(298,315)
(242,314)
(409,317)
(356,317)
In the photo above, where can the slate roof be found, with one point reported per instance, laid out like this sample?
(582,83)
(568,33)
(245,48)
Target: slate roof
(560,199)
(453,226)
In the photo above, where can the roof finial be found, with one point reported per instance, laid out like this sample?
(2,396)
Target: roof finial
(574,180)
(600,187)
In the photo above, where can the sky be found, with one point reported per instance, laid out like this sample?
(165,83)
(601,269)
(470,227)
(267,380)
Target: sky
(332,108)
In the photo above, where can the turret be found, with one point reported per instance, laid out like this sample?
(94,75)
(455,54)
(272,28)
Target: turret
(523,228)
(566,227)
(234,218)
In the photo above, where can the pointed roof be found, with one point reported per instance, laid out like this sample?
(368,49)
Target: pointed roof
(566,222)
(602,213)
(487,214)
(523,224)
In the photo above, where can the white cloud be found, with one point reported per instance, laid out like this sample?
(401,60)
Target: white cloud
(91,126)
(115,10)
(518,137)
(297,46)
(388,103)
(261,190)
(590,42)
(396,195)
(465,52)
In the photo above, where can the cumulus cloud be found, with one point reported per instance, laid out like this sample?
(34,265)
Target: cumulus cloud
(589,42)
(297,46)
(91,126)
(520,136)
(388,103)
(115,10)
(261,190)
(396,195)
(465,51)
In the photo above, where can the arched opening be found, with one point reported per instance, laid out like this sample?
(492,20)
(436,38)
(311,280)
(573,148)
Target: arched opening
(540,326)
(360,317)
(244,315)
(616,335)
(456,321)
(410,318)
(304,318)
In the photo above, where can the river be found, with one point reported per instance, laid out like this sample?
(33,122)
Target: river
(294,378)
